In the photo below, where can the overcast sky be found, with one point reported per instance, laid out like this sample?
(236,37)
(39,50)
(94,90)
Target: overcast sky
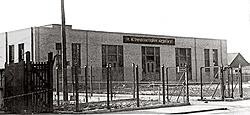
(220,19)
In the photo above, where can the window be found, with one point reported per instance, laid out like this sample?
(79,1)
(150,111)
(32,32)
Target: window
(215,61)
(20,52)
(150,63)
(207,61)
(11,53)
(58,46)
(215,57)
(113,54)
(183,56)
(76,54)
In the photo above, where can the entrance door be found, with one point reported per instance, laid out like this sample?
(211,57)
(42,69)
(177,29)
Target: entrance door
(150,63)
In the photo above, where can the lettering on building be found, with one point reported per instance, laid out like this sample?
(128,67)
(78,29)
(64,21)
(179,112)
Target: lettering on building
(148,40)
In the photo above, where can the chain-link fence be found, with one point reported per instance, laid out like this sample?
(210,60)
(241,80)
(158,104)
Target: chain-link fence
(102,88)
(220,83)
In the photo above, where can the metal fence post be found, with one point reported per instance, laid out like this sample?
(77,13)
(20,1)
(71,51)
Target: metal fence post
(77,88)
(58,67)
(240,85)
(108,107)
(91,81)
(232,82)
(163,85)
(137,86)
(228,82)
(201,83)
(111,82)
(134,84)
(167,84)
(187,89)
(222,84)
(86,83)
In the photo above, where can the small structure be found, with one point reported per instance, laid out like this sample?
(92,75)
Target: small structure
(235,60)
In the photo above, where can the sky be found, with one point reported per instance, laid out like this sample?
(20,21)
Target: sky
(219,19)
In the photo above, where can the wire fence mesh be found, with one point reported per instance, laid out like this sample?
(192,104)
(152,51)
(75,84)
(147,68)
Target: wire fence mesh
(116,88)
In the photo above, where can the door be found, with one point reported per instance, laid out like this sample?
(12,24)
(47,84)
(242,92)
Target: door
(150,63)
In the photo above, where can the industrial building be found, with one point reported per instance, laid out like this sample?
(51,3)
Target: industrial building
(98,48)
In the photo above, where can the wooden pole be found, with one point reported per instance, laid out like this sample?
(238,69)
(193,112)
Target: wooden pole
(50,80)
(64,57)
(6,49)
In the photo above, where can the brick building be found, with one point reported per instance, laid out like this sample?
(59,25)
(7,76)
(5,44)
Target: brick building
(97,48)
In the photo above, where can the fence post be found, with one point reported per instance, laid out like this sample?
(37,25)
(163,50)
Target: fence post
(137,86)
(86,83)
(73,71)
(228,82)
(91,81)
(240,84)
(57,77)
(222,84)
(187,89)
(111,82)
(201,83)
(108,107)
(167,84)
(133,67)
(163,85)
(77,88)
(50,80)
(232,82)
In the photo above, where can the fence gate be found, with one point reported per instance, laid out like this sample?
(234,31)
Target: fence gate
(28,86)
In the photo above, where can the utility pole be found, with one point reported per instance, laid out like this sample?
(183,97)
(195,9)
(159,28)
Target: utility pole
(64,58)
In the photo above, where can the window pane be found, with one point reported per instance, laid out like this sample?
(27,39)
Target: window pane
(120,50)
(215,57)
(58,46)
(150,50)
(157,51)
(150,58)
(20,52)
(76,54)
(112,58)
(112,50)
(143,50)
(11,53)
(182,52)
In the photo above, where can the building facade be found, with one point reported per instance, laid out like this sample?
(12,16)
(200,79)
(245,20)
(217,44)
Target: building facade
(96,49)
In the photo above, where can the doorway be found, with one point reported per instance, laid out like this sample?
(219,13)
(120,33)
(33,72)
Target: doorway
(150,63)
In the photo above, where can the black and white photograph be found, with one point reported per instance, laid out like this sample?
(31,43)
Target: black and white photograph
(125,57)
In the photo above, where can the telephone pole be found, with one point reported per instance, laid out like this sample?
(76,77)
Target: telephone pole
(64,58)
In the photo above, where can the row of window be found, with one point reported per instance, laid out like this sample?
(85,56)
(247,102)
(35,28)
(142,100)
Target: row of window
(20,53)
(207,58)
